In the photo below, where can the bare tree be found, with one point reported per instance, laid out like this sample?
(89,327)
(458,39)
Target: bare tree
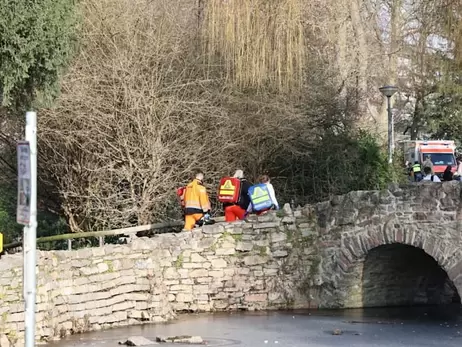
(138,111)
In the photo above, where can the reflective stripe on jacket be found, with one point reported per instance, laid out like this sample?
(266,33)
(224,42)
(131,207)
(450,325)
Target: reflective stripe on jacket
(195,198)
(416,168)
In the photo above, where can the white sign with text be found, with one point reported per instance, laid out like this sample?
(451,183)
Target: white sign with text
(24,183)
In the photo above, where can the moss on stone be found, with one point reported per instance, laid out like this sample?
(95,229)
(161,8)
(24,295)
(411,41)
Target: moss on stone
(179,261)
(280,213)
(239,254)
(13,337)
(312,219)
(110,265)
(262,250)
(308,240)
(224,235)
(237,237)
(290,303)
(314,265)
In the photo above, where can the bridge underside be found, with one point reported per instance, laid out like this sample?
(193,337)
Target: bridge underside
(404,275)
(398,275)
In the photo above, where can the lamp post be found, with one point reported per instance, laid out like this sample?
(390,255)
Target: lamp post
(389,91)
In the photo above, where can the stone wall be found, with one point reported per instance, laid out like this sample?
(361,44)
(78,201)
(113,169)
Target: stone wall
(240,266)
(317,255)
(426,216)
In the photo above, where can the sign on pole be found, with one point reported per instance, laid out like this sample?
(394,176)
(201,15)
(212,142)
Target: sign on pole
(24,183)
(27,215)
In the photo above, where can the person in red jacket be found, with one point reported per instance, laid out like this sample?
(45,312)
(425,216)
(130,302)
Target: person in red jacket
(238,210)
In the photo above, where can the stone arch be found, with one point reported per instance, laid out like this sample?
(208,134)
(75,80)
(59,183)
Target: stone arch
(397,274)
(342,274)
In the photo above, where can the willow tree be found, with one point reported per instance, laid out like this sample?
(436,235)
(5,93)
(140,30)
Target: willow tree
(260,43)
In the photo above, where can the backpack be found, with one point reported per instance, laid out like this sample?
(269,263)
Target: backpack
(260,197)
(180,194)
(229,190)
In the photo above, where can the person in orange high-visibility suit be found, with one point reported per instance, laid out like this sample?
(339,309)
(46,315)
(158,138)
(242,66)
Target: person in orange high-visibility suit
(197,203)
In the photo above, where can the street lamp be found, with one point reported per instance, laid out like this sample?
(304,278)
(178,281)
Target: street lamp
(389,91)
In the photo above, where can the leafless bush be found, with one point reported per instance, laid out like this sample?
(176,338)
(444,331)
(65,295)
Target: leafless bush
(139,110)
(136,114)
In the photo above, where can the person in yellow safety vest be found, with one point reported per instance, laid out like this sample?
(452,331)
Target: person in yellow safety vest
(417,170)
(197,203)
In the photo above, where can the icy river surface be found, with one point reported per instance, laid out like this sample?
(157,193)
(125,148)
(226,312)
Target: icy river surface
(388,327)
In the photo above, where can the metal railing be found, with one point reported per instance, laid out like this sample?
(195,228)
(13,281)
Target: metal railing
(100,235)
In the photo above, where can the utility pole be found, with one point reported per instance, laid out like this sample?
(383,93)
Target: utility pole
(27,215)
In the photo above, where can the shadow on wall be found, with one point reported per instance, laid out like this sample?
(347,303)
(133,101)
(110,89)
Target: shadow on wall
(402,275)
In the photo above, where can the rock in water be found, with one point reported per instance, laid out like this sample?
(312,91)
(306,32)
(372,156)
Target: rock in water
(186,339)
(137,341)
(196,340)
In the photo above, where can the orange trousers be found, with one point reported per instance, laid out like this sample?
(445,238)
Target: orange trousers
(190,220)
(234,212)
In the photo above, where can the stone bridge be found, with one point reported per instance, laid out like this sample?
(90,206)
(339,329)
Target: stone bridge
(399,246)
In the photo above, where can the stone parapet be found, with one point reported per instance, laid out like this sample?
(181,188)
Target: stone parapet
(222,267)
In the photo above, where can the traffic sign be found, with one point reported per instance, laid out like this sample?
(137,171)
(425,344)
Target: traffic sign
(24,183)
